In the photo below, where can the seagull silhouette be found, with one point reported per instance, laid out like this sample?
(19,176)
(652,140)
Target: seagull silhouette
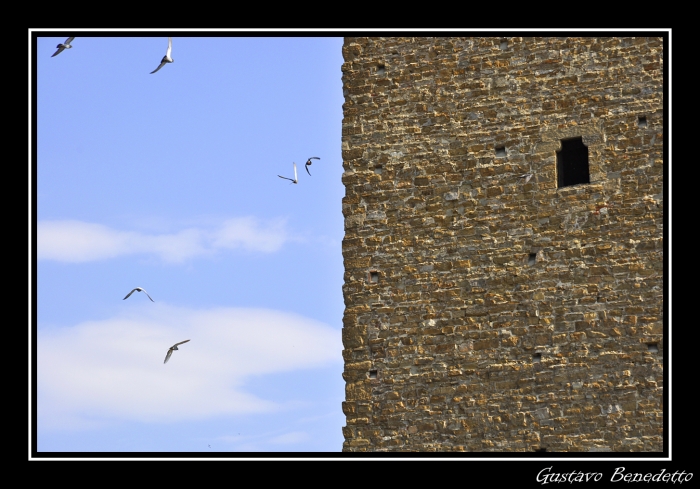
(527,177)
(137,289)
(172,349)
(308,163)
(65,45)
(295,180)
(166,58)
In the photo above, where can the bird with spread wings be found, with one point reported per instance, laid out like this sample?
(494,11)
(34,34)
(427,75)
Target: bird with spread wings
(166,58)
(308,163)
(172,349)
(138,289)
(295,179)
(65,45)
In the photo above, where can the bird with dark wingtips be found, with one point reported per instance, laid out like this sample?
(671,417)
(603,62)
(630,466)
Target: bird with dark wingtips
(295,180)
(166,58)
(137,289)
(65,45)
(527,177)
(308,163)
(172,349)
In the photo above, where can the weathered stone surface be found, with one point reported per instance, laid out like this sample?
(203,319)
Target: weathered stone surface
(503,315)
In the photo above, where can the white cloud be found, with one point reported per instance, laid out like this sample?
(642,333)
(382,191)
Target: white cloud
(80,241)
(102,371)
(77,241)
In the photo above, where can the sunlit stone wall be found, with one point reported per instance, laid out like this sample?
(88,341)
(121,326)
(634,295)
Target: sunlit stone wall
(486,308)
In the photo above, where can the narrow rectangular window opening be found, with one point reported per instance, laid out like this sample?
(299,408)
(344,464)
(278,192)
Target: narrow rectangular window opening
(572,163)
(373,277)
(378,169)
(541,449)
(531,258)
(500,151)
(536,358)
(504,44)
(642,121)
(381,70)
(372,374)
(653,347)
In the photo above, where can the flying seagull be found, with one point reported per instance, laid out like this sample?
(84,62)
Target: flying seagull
(139,289)
(295,180)
(166,58)
(308,163)
(65,45)
(172,349)
(527,177)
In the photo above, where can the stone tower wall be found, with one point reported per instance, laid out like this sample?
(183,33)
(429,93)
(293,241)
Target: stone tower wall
(485,312)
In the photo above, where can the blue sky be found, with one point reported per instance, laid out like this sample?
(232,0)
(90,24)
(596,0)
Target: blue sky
(169,181)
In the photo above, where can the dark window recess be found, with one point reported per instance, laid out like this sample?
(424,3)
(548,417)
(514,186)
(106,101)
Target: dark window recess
(500,150)
(537,357)
(372,374)
(504,43)
(542,449)
(572,163)
(381,70)
(642,121)
(373,277)
(653,347)
(531,258)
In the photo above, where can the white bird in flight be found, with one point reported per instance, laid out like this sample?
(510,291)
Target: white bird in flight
(527,177)
(308,163)
(166,58)
(137,289)
(295,180)
(172,349)
(65,45)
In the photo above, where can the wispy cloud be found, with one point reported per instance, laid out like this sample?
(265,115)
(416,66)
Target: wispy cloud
(78,241)
(270,441)
(293,437)
(98,372)
(248,233)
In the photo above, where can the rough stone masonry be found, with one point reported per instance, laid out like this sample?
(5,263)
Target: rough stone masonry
(485,310)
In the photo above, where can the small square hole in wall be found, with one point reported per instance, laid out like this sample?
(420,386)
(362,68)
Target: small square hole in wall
(381,70)
(537,358)
(373,277)
(642,121)
(372,374)
(504,44)
(378,169)
(531,259)
(653,347)
(500,151)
